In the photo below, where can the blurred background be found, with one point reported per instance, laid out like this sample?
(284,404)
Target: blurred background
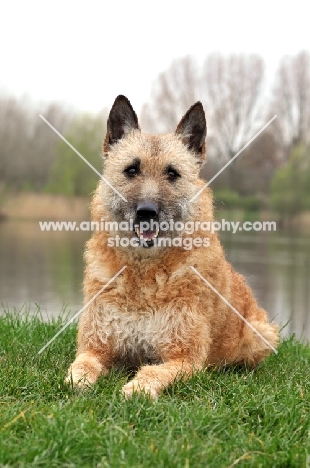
(68,61)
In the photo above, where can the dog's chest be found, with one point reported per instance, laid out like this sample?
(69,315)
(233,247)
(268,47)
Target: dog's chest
(139,317)
(136,335)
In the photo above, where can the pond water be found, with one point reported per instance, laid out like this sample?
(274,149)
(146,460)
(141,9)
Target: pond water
(46,268)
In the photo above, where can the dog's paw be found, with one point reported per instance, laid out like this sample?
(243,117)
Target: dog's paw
(84,371)
(136,386)
(80,378)
(77,381)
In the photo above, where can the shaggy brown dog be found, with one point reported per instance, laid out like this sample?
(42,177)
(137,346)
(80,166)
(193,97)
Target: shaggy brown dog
(158,314)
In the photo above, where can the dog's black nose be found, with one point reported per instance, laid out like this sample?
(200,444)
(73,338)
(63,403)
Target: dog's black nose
(147,210)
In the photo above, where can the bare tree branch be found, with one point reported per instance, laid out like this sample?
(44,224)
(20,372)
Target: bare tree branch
(291,99)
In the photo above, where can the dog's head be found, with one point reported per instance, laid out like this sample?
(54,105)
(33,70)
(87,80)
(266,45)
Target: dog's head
(153,176)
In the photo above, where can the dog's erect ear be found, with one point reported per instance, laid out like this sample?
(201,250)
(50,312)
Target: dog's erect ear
(122,119)
(193,129)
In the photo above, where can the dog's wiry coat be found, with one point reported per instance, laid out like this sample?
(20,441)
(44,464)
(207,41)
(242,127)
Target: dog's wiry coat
(158,314)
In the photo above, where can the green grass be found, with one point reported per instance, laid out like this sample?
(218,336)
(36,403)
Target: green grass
(216,419)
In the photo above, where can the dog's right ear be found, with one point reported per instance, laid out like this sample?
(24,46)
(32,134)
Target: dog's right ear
(122,119)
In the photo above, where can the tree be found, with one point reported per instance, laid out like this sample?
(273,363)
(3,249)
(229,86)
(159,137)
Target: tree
(14,138)
(69,174)
(28,145)
(291,101)
(174,91)
(43,142)
(233,89)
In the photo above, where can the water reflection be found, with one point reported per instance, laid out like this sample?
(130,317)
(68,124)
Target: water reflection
(277,267)
(46,268)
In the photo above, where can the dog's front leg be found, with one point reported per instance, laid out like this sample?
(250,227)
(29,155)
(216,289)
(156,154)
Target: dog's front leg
(151,380)
(94,357)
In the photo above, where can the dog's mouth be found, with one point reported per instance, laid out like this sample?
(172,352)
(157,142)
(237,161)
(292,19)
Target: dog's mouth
(148,236)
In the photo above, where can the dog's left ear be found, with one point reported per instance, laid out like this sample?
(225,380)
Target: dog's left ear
(193,130)
(122,119)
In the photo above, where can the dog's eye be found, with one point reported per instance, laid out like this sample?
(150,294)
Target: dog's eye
(172,174)
(132,171)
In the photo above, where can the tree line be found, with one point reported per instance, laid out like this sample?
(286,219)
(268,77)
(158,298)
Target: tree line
(273,169)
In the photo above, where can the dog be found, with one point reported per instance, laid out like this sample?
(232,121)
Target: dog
(158,315)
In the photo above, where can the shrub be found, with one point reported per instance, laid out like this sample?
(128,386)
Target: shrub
(229,199)
(290,186)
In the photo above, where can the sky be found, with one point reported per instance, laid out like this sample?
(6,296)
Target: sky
(83,54)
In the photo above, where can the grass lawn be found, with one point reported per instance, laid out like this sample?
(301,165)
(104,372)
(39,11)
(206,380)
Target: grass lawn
(216,419)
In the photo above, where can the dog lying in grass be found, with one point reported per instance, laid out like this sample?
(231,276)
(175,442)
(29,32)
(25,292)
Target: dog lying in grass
(158,315)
